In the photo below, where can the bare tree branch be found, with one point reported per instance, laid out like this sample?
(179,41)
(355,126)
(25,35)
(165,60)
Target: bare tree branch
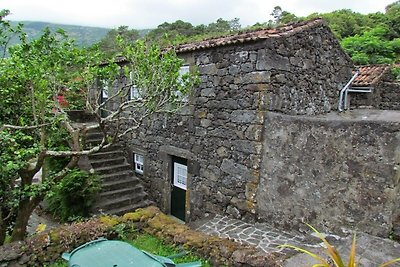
(15,127)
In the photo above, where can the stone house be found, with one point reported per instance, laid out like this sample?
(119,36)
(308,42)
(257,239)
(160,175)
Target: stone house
(377,78)
(256,140)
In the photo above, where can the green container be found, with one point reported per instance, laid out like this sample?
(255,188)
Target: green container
(113,253)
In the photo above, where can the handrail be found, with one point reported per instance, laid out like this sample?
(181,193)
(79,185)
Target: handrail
(342,105)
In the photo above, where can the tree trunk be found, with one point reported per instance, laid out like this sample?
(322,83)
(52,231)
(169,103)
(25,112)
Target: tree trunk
(25,209)
(3,229)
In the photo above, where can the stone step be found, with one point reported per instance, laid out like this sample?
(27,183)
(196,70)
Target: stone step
(121,192)
(112,161)
(93,142)
(94,135)
(117,176)
(118,202)
(106,154)
(113,169)
(114,147)
(130,208)
(127,182)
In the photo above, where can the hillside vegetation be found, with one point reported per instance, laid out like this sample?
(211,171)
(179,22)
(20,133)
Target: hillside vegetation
(84,36)
(369,39)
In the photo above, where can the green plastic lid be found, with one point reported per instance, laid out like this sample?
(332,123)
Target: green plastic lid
(113,253)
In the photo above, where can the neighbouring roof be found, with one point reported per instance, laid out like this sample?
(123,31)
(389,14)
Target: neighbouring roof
(285,30)
(370,75)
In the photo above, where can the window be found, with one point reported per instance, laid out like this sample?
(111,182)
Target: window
(104,89)
(180,175)
(138,163)
(134,92)
(182,71)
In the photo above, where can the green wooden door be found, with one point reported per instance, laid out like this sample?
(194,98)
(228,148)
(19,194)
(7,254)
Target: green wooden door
(179,187)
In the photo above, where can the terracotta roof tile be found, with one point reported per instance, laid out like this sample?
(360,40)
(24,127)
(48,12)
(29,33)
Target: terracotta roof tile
(285,30)
(370,75)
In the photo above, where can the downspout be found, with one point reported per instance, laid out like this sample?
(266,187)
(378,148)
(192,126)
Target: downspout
(343,92)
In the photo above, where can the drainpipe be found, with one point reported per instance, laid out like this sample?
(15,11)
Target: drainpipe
(343,92)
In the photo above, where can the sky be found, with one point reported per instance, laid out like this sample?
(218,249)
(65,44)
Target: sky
(143,14)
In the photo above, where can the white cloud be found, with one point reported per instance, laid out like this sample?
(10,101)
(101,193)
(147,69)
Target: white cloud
(150,13)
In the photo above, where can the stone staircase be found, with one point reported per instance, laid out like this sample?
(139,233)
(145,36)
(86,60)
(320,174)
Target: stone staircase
(121,190)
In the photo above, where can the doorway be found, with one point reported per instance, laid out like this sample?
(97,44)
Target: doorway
(179,176)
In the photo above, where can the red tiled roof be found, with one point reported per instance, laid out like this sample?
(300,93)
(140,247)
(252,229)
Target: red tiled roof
(285,30)
(370,75)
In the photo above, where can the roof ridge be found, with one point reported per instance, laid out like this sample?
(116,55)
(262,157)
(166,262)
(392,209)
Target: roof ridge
(251,35)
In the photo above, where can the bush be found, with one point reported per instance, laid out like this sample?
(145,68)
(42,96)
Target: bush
(73,197)
(396,73)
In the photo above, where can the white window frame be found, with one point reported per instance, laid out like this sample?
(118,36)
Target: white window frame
(180,175)
(134,93)
(138,162)
(104,89)
(182,71)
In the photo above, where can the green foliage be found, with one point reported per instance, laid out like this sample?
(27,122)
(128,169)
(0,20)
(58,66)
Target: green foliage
(396,73)
(393,17)
(38,80)
(181,32)
(59,263)
(344,22)
(372,47)
(7,32)
(15,151)
(156,75)
(156,246)
(36,73)
(281,17)
(74,195)
(333,254)
(109,45)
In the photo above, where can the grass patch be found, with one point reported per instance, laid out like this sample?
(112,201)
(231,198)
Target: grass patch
(58,263)
(156,246)
(153,245)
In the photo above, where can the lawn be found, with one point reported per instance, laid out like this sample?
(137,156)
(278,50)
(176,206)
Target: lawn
(153,245)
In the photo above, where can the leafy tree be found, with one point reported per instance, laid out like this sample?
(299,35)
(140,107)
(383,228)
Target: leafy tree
(220,25)
(371,47)
(180,31)
(276,15)
(393,16)
(109,45)
(167,33)
(7,32)
(281,17)
(345,22)
(35,128)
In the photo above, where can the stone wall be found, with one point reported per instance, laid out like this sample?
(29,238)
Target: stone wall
(390,96)
(220,132)
(333,172)
(385,95)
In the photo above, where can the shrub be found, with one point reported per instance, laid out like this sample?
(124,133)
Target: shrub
(73,197)
(396,73)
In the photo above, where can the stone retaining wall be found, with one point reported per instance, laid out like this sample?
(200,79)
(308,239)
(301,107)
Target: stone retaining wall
(385,96)
(390,96)
(335,173)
